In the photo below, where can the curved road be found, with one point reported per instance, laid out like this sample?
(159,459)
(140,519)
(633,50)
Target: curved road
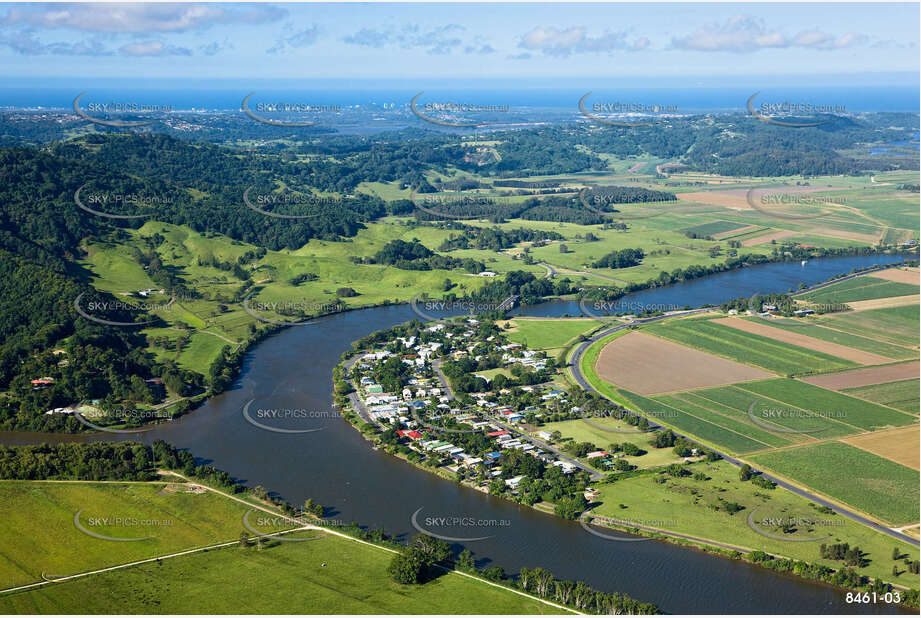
(577,374)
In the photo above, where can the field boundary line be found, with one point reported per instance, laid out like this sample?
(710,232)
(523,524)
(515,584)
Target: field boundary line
(720,426)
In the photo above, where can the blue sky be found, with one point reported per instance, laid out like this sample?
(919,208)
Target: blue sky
(544,43)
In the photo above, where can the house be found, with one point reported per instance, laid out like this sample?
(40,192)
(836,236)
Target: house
(802,312)
(544,435)
(42,382)
(411,434)
(596,454)
(486,273)
(513,483)
(733,312)
(590,494)
(493,455)
(514,418)
(567,467)
(766,307)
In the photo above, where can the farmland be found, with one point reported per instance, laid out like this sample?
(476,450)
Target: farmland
(837,337)
(854,412)
(895,325)
(646,365)
(865,377)
(686,505)
(901,395)
(899,445)
(747,348)
(853,476)
(685,423)
(860,288)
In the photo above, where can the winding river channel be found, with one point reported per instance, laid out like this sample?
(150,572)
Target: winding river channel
(338,468)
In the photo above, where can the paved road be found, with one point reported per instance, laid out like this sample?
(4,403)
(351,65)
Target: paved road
(442,378)
(577,374)
(357,404)
(594,474)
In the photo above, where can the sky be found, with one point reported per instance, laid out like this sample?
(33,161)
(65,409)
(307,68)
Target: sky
(547,43)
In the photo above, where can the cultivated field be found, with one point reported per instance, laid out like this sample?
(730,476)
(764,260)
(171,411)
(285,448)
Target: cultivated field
(865,377)
(820,328)
(901,395)
(883,303)
(763,327)
(646,365)
(748,348)
(899,445)
(901,275)
(851,475)
(866,287)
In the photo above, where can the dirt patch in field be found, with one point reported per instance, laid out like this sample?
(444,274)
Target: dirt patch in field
(805,341)
(899,445)
(736,198)
(866,377)
(778,235)
(831,232)
(736,232)
(901,275)
(882,303)
(636,167)
(648,365)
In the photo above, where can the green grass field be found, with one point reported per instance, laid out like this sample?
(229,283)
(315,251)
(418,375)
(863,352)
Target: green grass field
(746,348)
(860,288)
(330,575)
(547,334)
(582,431)
(683,506)
(715,227)
(38,535)
(870,483)
(836,406)
(896,325)
(902,395)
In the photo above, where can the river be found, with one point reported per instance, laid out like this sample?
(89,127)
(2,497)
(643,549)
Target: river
(338,468)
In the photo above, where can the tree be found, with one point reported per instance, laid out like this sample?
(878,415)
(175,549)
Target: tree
(745,472)
(430,548)
(465,560)
(406,567)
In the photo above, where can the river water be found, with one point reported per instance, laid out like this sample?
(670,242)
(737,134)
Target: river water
(338,468)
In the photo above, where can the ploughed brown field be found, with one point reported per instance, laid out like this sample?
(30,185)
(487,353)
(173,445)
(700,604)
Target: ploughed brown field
(805,341)
(899,445)
(866,377)
(777,235)
(882,303)
(901,275)
(648,365)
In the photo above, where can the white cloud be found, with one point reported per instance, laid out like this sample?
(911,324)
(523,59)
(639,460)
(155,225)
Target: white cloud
(137,18)
(746,34)
(553,41)
(153,48)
